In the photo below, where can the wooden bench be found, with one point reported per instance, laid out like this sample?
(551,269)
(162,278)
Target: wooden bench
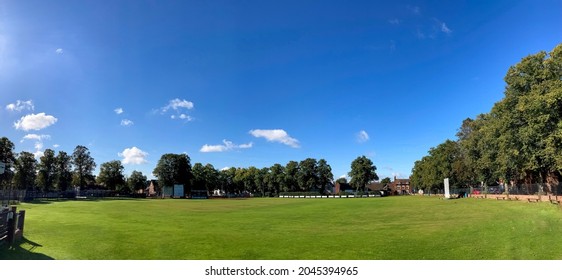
(502,198)
(532,199)
(554,201)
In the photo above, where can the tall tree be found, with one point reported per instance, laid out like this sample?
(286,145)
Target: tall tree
(84,165)
(291,171)
(111,175)
(137,181)
(174,169)
(325,176)
(63,171)
(26,171)
(307,175)
(46,175)
(276,179)
(7,156)
(362,172)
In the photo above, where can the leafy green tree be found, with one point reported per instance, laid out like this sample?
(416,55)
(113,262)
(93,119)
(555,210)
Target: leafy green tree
(26,171)
(46,175)
(84,165)
(325,176)
(291,172)
(211,178)
(342,180)
(7,156)
(227,179)
(385,181)
(63,171)
(111,175)
(174,169)
(276,179)
(137,181)
(362,172)
(307,175)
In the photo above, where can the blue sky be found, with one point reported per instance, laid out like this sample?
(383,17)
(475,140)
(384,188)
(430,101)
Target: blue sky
(254,83)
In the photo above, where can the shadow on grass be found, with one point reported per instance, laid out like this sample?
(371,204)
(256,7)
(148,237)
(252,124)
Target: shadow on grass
(23,250)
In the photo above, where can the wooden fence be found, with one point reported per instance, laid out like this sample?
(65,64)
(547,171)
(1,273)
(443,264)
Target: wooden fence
(11,225)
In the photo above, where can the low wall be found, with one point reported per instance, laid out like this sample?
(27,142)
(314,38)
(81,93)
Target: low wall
(543,198)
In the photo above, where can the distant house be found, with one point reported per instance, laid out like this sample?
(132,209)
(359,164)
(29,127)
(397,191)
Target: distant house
(401,186)
(383,189)
(342,187)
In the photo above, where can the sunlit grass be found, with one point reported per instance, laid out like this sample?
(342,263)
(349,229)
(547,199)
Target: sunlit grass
(374,228)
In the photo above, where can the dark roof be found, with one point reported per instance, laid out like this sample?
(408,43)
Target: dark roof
(376,186)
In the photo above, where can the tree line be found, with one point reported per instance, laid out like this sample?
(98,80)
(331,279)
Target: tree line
(62,172)
(518,142)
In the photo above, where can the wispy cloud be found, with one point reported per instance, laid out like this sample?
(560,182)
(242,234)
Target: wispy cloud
(276,135)
(35,122)
(126,122)
(362,136)
(445,29)
(226,146)
(181,117)
(118,111)
(133,155)
(179,106)
(394,21)
(59,51)
(36,137)
(19,106)
(56,145)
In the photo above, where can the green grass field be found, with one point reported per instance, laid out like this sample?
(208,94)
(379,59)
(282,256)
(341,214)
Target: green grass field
(375,228)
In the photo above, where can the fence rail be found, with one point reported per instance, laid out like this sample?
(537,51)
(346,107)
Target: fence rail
(11,225)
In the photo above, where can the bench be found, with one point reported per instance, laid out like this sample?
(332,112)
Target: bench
(502,198)
(532,199)
(554,201)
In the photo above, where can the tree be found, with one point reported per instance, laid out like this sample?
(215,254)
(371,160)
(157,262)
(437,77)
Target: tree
(276,179)
(7,156)
(111,175)
(46,175)
(325,176)
(385,181)
(137,181)
(341,180)
(362,172)
(26,168)
(63,171)
(174,169)
(291,171)
(84,165)
(307,175)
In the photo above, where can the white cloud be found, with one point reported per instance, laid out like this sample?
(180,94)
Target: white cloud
(227,146)
(126,122)
(39,154)
(59,51)
(445,29)
(36,137)
(394,21)
(362,136)
(177,104)
(276,135)
(35,122)
(133,155)
(56,145)
(118,111)
(20,105)
(225,168)
(181,117)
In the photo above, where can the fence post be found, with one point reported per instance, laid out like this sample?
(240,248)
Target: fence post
(21,222)
(12,224)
